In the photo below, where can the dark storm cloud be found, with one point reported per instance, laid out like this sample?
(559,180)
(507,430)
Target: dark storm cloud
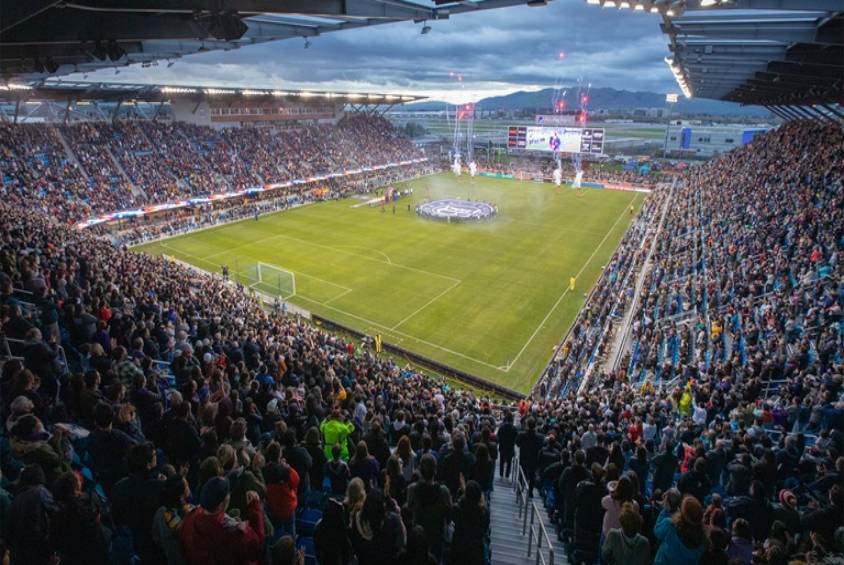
(505,49)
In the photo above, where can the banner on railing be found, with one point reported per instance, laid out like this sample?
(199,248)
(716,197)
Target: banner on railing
(234,194)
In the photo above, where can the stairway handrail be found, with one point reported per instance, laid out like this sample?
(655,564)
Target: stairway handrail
(535,535)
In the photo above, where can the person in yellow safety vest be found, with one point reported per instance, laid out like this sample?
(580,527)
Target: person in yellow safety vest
(378,343)
(571,283)
(716,330)
(686,400)
(336,430)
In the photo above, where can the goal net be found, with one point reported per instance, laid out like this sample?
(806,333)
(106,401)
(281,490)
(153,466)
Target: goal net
(271,279)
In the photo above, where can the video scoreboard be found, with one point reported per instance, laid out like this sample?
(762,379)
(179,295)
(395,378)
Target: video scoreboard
(556,139)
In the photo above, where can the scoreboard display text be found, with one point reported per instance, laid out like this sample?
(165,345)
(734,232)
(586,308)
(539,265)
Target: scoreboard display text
(556,139)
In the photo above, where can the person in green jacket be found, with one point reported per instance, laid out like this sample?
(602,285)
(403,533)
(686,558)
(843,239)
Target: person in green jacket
(335,429)
(625,545)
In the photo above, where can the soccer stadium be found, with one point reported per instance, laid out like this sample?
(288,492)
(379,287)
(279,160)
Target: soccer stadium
(415,293)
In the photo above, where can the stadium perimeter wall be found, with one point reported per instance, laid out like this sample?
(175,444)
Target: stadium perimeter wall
(428,363)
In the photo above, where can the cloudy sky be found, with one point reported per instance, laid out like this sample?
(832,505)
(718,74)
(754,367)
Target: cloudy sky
(496,51)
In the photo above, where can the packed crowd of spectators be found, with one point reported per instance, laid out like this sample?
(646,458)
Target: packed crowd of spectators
(159,414)
(82,169)
(731,390)
(182,220)
(188,401)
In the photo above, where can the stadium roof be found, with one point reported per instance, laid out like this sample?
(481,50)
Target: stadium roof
(761,57)
(41,38)
(762,52)
(56,89)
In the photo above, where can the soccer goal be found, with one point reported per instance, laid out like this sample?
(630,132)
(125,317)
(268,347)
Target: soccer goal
(271,279)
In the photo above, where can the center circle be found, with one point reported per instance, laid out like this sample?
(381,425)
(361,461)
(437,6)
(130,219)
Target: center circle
(456,210)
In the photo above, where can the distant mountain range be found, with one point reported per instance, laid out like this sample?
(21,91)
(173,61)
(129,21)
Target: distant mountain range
(604,99)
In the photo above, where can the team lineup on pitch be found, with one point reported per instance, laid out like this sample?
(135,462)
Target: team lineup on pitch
(490,298)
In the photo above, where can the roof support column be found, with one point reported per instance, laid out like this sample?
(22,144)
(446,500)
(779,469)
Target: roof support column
(157,111)
(833,110)
(116,110)
(776,111)
(821,116)
(67,109)
(802,111)
(789,111)
(17,109)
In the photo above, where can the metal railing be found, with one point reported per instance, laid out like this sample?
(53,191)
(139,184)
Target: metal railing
(538,538)
(65,369)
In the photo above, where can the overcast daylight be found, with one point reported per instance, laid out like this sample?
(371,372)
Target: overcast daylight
(496,51)
(421,282)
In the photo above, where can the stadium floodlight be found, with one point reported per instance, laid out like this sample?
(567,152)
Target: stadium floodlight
(608,4)
(707,3)
(13,86)
(594,2)
(254,92)
(176,90)
(373,96)
(308,94)
(391,97)
(216,91)
(624,5)
(678,76)
(639,7)
(654,10)
(280,93)
(669,12)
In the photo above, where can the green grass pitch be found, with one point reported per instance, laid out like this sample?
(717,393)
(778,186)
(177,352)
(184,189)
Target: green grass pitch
(489,298)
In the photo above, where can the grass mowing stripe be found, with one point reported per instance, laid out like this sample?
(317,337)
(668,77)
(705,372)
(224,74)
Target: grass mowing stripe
(566,291)
(480,297)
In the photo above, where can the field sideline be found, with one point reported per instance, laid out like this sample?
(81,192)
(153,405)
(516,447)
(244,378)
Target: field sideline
(488,298)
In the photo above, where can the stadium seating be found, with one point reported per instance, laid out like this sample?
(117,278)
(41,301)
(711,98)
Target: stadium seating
(133,378)
(88,168)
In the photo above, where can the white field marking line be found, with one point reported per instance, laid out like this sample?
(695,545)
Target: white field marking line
(306,242)
(408,336)
(434,299)
(381,253)
(361,318)
(307,276)
(339,296)
(345,290)
(566,291)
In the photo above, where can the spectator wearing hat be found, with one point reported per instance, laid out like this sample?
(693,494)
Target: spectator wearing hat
(682,537)
(620,493)
(787,511)
(209,536)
